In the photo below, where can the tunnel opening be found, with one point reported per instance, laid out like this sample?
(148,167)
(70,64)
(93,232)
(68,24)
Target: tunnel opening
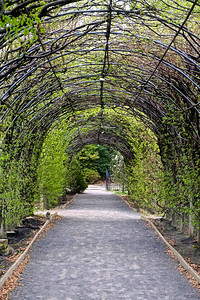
(70,164)
(97,67)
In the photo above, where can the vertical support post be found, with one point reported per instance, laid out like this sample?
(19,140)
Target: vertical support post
(123,178)
(198,229)
(3,228)
(107,180)
(174,220)
(3,233)
(190,225)
(198,235)
(181,222)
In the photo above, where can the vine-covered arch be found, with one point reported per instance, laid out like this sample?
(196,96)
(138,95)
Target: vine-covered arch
(97,64)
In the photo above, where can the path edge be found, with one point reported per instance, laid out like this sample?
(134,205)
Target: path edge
(178,256)
(64,206)
(16,264)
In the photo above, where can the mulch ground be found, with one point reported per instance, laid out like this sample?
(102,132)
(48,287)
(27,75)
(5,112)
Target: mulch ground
(187,246)
(22,235)
(19,240)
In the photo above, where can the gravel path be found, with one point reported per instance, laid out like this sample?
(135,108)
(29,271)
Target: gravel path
(101,249)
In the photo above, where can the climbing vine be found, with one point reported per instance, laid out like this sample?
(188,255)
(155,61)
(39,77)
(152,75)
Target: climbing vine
(119,74)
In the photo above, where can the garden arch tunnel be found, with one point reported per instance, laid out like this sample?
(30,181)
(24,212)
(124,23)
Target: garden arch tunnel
(97,64)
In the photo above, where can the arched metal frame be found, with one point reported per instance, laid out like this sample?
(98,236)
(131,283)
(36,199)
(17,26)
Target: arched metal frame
(86,55)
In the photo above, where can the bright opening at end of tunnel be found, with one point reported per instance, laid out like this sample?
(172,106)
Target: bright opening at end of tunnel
(90,88)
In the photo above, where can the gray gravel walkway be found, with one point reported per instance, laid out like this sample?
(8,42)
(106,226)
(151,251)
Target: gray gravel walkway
(101,250)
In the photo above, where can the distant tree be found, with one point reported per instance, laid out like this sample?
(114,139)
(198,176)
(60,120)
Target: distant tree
(97,158)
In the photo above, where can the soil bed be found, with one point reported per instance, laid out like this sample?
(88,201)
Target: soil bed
(18,239)
(187,246)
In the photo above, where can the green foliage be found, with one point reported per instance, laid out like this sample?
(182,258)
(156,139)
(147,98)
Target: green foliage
(91,175)
(52,168)
(176,185)
(88,157)
(180,192)
(143,174)
(97,158)
(179,189)
(56,173)
(104,160)
(75,179)
(15,186)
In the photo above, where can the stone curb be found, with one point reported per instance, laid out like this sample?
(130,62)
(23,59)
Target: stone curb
(181,260)
(16,264)
(121,197)
(68,203)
